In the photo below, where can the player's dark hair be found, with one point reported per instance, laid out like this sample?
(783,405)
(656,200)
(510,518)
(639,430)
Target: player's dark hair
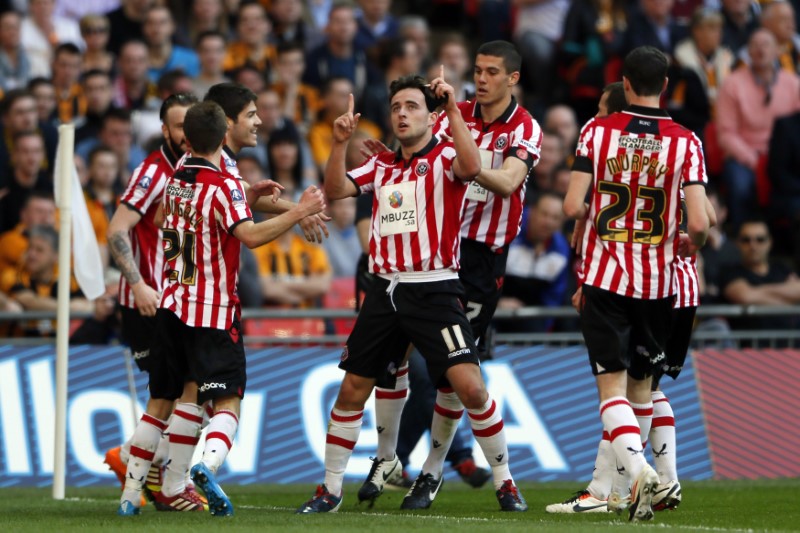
(416,82)
(616,101)
(174,100)
(231,97)
(512,60)
(645,68)
(48,233)
(205,127)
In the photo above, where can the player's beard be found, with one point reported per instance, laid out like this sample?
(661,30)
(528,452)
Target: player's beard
(177,151)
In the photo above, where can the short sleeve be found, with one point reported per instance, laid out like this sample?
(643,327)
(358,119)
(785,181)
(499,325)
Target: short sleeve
(526,142)
(364,176)
(584,153)
(233,203)
(145,187)
(694,165)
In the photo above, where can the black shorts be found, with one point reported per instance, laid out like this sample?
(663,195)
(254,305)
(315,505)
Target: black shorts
(482,271)
(429,315)
(213,358)
(680,336)
(624,333)
(137,333)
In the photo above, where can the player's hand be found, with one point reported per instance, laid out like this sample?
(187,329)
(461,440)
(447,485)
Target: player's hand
(373,147)
(146,298)
(577,236)
(314,227)
(345,125)
(576,299)
(267,188)
(686,248)
(312,201)
(442,89)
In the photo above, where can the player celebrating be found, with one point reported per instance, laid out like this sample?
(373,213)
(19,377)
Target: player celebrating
(198,337)
(634,163)
(414,248)
(508,139)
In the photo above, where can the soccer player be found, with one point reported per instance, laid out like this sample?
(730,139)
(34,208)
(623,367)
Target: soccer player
(508,139)
(135,244)
(198,331)
(634,163)
(419,193)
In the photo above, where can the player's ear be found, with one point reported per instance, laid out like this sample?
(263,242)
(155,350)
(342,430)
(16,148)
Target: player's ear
(230,123)
(513,78)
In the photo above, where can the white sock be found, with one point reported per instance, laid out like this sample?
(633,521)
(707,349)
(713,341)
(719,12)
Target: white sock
(487,426)
(662,438)
(219,439)
(644,417)
(605,465)
(623,430)
(343,430)
(389,405)
(143,447)
(184,433)
(447,413)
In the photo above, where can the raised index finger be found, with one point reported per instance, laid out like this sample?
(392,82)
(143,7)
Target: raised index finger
(351,105)
(441,71)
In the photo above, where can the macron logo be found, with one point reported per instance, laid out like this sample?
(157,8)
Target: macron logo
(209,386)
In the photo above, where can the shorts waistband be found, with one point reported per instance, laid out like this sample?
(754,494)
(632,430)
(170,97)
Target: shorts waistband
(419,277)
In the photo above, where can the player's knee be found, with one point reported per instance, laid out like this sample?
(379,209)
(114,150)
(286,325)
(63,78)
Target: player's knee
(354,392)
(473,395)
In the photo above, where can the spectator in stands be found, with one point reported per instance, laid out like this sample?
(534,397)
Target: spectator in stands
(293,272)
(375,23)
(396,57)
(116,133)
(342,245)
(35,286)
(27,158)
(158,29)
(339,56)
(453,52)
(416,28)
(39,209)
(740,21)
(44,92)
(76,10)
(561,120)
(250,77)
(205,16)
(288,25)
(285,165)
(19,114)
(652,24)
(318,11)
(778,18)
(756,280)
(42,31)
(126,23)
(70,101)
(96,88)
(335,95)
(102,188)
(133,89)
(553,154)
(300,101)
(718,252)
(211,54)
(750,100)
(538,263)
(701,65)
(252,48)
(95,30)
(15,67)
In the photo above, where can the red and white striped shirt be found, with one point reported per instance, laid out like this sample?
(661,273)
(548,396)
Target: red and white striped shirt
(202,206)
(143,195)
(416,211)
(488,217)
(686,281)
(639,159)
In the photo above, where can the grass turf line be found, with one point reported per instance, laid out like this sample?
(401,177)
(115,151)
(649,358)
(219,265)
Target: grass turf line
(715,506)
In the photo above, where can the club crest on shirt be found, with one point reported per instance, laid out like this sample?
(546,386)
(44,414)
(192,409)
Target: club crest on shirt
(522,153)
(236,195)
(145,182)
(501,142)
(422,168)
(345,353)
(396,199)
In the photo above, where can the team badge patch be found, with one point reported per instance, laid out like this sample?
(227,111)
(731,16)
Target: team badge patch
(345,353)
(396,199)
(145,182)
(522,153)
(422,168)
(501,142)
(236,195)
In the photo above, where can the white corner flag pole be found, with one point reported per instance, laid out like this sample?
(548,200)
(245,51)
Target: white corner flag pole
(63,177)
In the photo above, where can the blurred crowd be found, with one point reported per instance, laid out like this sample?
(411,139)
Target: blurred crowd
(106,65)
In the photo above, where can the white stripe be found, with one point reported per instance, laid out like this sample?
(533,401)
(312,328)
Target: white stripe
(448,340)
(459,336)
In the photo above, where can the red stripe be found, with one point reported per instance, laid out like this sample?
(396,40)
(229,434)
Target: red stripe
(229,413)
(612,404)
(220,436)
(606,436)
(340,418)
(662,421)
(339,441)
(643,411)
(383,394)
(488,432)
(142,454)
(484,415)
(661,400)
(447,413)
(624,430)
(188,416)
(183,439)
(209,410)
(402,372)
(153,421)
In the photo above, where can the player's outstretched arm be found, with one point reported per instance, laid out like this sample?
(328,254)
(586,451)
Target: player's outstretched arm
(505,180)
(336,183)
(254,235)
(574,204)
(264,198)
(468,159)
(119,243)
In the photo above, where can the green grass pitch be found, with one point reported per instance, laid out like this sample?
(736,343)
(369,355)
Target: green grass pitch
(714,506)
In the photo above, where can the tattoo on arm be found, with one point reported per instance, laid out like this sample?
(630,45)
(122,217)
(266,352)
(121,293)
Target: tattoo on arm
(119,244)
